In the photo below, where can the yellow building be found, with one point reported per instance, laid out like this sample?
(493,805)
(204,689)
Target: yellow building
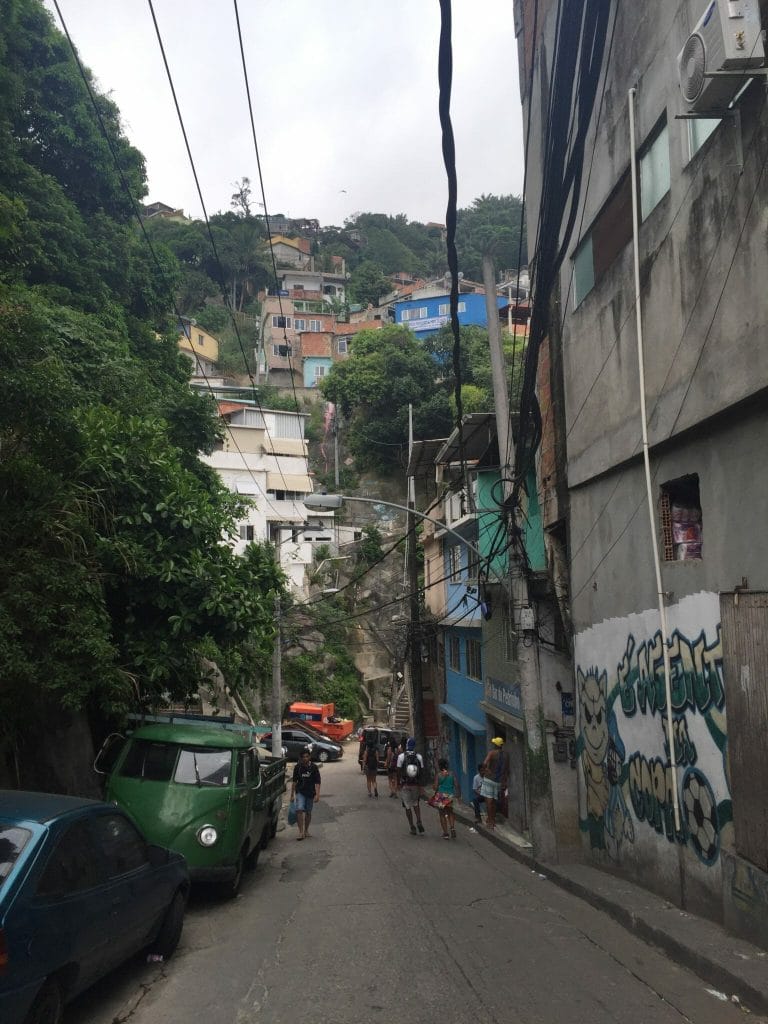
(199,346)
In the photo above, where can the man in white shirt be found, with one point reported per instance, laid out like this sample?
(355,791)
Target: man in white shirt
(410,770)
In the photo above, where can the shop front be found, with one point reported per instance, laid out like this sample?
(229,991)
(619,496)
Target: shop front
(502,705)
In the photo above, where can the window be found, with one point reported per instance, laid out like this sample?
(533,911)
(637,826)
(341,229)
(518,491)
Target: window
(474,659)
(200,340)
(286,495)
(72,867)
(444,309)
(299,324)
(123,848)
(610,232)
(315,325)
(680,519)
(454,653)
(654,170)
(342,346)
(417,313)
(284,351)
(149,760)
(319,373)
(281,321)
(454,562)
(12,841)
(203,766)
(699,130)
(245,772)
(247,531)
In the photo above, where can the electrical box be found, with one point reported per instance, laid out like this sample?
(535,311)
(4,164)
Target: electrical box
(526,619)
(560,751)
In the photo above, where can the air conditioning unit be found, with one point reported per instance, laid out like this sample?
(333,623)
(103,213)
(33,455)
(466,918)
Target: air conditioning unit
(727,38)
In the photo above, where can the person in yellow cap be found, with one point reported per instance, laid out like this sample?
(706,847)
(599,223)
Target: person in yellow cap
(494,782)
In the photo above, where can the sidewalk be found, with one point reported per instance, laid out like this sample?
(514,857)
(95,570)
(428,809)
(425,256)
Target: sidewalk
(726,963)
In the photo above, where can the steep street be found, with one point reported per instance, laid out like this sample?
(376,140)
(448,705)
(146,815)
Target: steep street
(365,922)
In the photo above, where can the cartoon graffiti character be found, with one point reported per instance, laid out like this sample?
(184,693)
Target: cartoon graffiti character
(594,736)
(618,820)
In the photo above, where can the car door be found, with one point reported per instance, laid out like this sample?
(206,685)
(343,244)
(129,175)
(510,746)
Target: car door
(68,912)
(244,793)
(292,744)
(139,893)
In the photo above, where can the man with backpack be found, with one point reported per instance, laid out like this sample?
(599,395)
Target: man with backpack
(410,770)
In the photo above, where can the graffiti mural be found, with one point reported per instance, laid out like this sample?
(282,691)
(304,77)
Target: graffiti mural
(622,707)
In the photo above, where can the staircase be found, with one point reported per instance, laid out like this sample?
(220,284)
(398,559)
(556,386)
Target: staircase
(401,714)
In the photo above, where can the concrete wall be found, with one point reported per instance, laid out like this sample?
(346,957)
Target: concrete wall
(704,261)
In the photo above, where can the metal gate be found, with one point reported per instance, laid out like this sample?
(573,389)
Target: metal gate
(744,618)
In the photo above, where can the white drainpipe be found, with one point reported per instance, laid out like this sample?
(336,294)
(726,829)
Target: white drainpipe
(647,462)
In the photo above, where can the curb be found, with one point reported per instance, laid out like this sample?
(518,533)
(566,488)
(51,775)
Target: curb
(709,970)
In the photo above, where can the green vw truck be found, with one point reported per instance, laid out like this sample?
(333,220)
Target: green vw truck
(205,790)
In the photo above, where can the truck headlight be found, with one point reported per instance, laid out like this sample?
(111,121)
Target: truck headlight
(207,835)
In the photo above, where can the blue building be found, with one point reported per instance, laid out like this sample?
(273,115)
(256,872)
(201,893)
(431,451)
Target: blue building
(426,316)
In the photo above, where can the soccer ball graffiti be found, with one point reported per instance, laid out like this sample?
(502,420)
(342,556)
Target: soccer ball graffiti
(700,808)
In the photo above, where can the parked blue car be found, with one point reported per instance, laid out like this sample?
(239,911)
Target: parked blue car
(81,891)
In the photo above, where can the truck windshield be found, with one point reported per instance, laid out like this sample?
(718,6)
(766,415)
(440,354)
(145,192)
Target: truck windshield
(147,759)
(202,766)
(12,842)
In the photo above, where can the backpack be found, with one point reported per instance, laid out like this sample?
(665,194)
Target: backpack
(411,771)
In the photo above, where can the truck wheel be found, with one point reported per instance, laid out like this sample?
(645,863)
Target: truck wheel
(48,1005)
(231,888)
(170,930)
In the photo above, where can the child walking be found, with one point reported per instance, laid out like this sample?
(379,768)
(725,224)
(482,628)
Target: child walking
(446,791)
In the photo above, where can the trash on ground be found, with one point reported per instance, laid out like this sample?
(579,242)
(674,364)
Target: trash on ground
(718,995)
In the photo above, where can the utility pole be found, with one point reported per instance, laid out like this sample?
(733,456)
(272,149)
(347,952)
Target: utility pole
(336,447)
(538,783)
(277,689)
(417,690)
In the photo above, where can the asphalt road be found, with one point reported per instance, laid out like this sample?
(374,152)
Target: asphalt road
(364,922)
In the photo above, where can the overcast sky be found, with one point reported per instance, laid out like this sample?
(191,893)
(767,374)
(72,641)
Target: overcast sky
(345,100)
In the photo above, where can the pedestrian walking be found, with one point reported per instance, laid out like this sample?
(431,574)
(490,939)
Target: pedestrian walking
(447,790)
(371,765)
(393,750)
(496,773)
(410,767)
(477,796)
(305,790)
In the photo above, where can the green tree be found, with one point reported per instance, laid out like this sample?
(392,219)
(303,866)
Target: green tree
(367,284)
(114,582)
(386,371)
(492,224)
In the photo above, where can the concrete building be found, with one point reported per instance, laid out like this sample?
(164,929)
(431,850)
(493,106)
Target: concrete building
(199,346)
(702,196)
(263,456)
(428,309)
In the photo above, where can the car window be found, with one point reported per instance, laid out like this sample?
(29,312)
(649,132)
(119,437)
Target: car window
(147,759)
(120,845)
(244,768)
(72,866)
(202,766)
(12,841)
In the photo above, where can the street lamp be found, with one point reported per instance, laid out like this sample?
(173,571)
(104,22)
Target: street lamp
(335,501)
(319,500)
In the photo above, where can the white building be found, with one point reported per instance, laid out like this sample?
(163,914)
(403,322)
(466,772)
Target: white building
(264,456)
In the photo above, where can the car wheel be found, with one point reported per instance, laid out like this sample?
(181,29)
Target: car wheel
(48,1005)
(323,756)
(231,888)
(170,930)
(253,855)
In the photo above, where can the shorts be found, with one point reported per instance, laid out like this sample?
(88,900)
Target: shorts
(410,795)
(304,803)
(489,789)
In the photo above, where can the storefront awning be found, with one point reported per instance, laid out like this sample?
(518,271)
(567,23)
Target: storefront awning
(466,723)
(513,721)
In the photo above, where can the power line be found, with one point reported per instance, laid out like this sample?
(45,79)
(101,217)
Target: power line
(137,214)
(263,195)
(222,283)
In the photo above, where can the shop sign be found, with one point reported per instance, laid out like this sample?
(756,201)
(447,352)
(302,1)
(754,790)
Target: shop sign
(505,696)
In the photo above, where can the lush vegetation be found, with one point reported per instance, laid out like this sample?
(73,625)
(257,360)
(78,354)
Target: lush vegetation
(115,587)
